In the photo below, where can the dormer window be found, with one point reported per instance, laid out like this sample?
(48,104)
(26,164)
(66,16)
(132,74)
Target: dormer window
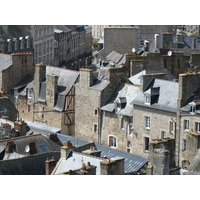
(120,103)
(147,99)
(192,107)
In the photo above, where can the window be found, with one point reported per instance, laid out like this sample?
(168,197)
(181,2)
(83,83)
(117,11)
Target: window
(192,107)
(146,143)
(128,150)
(95,128)
(184,145)
(197,126)
(147,122)
(29,108)
(131,129)
(112,141)
(186,124)
(29,93)
(122,123)
(171,127)
(128,143)
(43,113)
(147,99)
(95,112)
(163,134)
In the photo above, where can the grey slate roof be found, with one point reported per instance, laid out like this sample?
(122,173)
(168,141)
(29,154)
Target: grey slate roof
(42,143)
(132,163)
(135,79)
(5,61)
(114,56)
(123,90)
(30,165)
(168,96)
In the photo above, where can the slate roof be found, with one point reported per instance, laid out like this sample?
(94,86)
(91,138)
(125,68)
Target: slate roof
(123,90)
(168,95)
(5,61)
(42,143)
(29,165)
(132,162)
(135,79)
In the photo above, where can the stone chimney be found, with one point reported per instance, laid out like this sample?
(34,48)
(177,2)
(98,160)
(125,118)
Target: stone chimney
(51,90)
(50,165)
(39,76)
(86,77)
(92,152)
(21,127)
(147,78)
(114,166)
(65,149)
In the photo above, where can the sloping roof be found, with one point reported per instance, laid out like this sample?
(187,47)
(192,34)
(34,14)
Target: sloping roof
(75,161)
(5,61)
(30,165)
(42,143)
(114,56)
(132,162)
(123,90)
(135,79)
(168,95)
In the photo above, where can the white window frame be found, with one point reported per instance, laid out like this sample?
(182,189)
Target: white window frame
(113,143)
(147,100)
(163,134)
(186,125)
(147,122)
(192,108)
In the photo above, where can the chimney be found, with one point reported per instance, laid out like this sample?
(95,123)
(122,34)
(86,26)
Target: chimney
(65,149)
(92,152)
(10,147)
(147,78)
(86,77)
(39,76)
(114,166)
(5,130)
(51,90)
(33,149)
(50,165)
(21,127)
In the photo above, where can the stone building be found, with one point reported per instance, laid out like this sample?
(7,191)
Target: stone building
(15,67)
(192,29)
(94,88)
(62,45)
(49,98)
(15,38)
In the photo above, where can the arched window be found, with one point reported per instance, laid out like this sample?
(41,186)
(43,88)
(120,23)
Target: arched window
(112,141)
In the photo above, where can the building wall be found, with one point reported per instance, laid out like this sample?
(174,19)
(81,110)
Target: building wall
(112,126)
(159,121)
(121,40)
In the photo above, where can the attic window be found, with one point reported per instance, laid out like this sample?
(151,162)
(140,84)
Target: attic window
(192,107)
(147,99)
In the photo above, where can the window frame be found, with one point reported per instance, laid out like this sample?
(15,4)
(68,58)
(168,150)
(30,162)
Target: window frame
(146,143)
(186,125)
(184,145)
(197,127)
(112,141)
(147,122)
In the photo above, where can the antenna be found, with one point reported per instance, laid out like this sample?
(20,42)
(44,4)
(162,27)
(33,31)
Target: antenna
(27,148)
(133,50)
(169,53)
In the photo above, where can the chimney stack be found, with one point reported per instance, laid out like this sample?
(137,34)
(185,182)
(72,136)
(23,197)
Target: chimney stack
(21,127)
(86,77)
(64,150)
(10,147)
(50,165)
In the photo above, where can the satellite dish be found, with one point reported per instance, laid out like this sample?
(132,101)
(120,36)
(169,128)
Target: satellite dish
(169,53)
(27,148)
(133,50)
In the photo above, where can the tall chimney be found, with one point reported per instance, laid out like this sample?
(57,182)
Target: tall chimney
(64,150)
(86,77)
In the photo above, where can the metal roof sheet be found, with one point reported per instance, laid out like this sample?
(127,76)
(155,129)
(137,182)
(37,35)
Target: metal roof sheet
(132,163)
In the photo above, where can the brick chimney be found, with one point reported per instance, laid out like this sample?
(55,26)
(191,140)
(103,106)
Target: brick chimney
(114,166)
(64,150)
(50,165)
